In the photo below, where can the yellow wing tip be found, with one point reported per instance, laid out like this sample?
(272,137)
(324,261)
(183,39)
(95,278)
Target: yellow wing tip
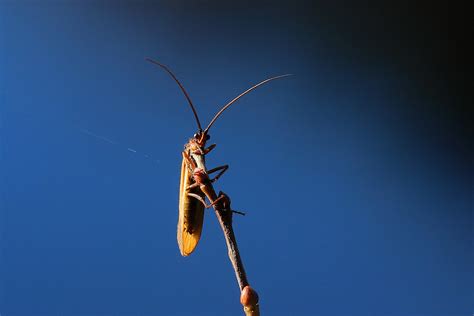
(188,243)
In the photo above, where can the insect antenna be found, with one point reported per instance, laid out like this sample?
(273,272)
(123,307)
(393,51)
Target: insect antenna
(241,95)
(181,87)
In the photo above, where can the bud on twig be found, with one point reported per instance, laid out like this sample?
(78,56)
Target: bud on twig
(249,299)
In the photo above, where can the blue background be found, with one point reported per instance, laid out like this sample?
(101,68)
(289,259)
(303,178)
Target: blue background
(356,173)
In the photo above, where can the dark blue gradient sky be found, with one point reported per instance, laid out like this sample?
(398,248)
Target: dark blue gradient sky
(356,173)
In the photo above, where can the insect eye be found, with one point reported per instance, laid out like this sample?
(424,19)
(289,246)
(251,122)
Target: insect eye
(195,135)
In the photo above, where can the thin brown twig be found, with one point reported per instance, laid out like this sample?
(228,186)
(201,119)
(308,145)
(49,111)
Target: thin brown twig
(225,220)
(223,211)
(248,297)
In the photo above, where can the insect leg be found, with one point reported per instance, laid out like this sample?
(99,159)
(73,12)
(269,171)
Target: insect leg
(226,203)
(222,168)
(192,186)
(190,162)
(199,198)
(238,212)
(208,149)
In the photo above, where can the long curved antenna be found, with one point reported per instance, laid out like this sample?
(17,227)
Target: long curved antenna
(182,89)
(241,95)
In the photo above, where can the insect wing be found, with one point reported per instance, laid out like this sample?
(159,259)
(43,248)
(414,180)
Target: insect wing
(191,214)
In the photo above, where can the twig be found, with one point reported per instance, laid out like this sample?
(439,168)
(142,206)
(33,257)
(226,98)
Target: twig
(221,205)
(248,296)
(223,210)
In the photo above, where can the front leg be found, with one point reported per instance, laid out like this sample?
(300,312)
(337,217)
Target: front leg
(190,161)
(205,151)
(222,168)
(208,149)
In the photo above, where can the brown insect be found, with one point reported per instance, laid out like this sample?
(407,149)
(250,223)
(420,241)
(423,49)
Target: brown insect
(194,182)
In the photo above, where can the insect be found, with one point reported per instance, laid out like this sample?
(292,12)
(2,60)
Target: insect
(194,175)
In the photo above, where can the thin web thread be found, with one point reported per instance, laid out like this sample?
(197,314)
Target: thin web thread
(88,132)
(112,142)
